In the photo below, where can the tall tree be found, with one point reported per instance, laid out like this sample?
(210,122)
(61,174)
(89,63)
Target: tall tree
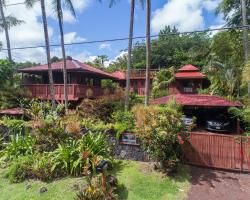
(30,4)
(148,51)
(130,43)
(58,8)
(6,23)
(129,62)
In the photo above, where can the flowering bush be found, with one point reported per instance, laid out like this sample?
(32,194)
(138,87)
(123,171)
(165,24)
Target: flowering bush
(158,128)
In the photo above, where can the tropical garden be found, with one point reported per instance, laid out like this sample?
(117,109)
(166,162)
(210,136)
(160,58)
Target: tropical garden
(54,152)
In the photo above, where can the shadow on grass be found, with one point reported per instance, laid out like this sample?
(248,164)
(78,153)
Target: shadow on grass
(117,167)
(122,192)
(182,174)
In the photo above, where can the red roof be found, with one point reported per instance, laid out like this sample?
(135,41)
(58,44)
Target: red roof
(119,75)
(184,75)
(72,65)
(189,71)
(12,111)
(198,100)
(189,68)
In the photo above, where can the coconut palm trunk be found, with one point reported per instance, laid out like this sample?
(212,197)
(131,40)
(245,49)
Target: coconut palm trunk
(6,31)
(60,21)
(148,51)
(46,36)
(245,30)
(129,63)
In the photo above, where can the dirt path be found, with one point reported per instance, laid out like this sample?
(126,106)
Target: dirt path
(210,184)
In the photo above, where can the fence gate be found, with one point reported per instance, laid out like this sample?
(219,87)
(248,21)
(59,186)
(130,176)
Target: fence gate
(218,151)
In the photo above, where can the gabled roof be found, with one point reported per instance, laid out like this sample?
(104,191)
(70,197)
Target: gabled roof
(198,100)
(188,68)
(72,65)
(120,75)
(189,71)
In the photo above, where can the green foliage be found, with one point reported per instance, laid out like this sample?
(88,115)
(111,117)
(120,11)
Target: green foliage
(14,126)
(10,85)
(243,114)
(124,121)
(48,127)
(20,169)
(226,64)
(158,128)
(64,156)
(94,191)
(231,10)
(18,145)
(100,109)
(161,82)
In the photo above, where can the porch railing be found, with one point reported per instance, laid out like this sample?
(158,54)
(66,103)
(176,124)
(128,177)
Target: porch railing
(75,91)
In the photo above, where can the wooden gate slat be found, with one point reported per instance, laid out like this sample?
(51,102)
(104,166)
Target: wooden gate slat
(217,150)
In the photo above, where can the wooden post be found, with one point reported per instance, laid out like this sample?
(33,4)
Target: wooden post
(238,126)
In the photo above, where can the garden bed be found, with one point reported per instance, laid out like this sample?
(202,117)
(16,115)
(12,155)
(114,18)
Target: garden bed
(139,181)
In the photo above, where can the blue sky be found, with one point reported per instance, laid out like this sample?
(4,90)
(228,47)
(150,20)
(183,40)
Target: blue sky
(96,21)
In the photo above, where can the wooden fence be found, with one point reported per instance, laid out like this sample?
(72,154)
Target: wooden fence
(218,151)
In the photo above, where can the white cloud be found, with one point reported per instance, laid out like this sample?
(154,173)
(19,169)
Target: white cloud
(31,32)
(105,46)
(186,15)
(72,37)
(219,23)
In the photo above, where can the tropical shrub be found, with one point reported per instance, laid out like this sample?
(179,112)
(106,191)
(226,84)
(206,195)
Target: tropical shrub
(244,115)
(42,168)
(64,157)
(95,191)
(123,121)
(14,126)
(20,169)
(18,145)
(161,82)
(47,126)
(158,129)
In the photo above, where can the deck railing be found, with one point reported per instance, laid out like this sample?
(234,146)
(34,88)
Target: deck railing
(75,91)
(141,73)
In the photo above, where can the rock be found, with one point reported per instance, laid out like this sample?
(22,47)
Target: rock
(43,190)
(123,154)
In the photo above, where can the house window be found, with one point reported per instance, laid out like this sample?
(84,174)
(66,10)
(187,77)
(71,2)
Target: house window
(129,139)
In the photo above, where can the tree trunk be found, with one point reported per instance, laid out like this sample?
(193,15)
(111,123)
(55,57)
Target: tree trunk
(245,30)
(60,20)
(148,52)
(6,32)
(129,63)
(46,36)
(245,34)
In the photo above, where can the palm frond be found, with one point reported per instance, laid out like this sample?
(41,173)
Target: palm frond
(30,3)
(69,5)
(10,21)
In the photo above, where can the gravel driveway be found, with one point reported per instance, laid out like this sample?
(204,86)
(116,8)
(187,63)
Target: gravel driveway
(210,184)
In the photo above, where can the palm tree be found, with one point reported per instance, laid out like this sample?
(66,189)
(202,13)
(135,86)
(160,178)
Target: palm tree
(148,51)
(5,24)
(58,8)
(130,43)
(30,4)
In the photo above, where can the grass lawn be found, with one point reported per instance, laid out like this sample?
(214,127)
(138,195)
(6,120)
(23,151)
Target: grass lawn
(140,183)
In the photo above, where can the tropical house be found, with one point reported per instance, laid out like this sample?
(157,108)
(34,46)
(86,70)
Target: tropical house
(83,80)
(137,79)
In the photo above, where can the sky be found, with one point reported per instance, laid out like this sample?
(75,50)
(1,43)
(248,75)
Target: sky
(96,21)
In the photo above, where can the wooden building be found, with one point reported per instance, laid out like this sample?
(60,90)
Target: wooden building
(83,80)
